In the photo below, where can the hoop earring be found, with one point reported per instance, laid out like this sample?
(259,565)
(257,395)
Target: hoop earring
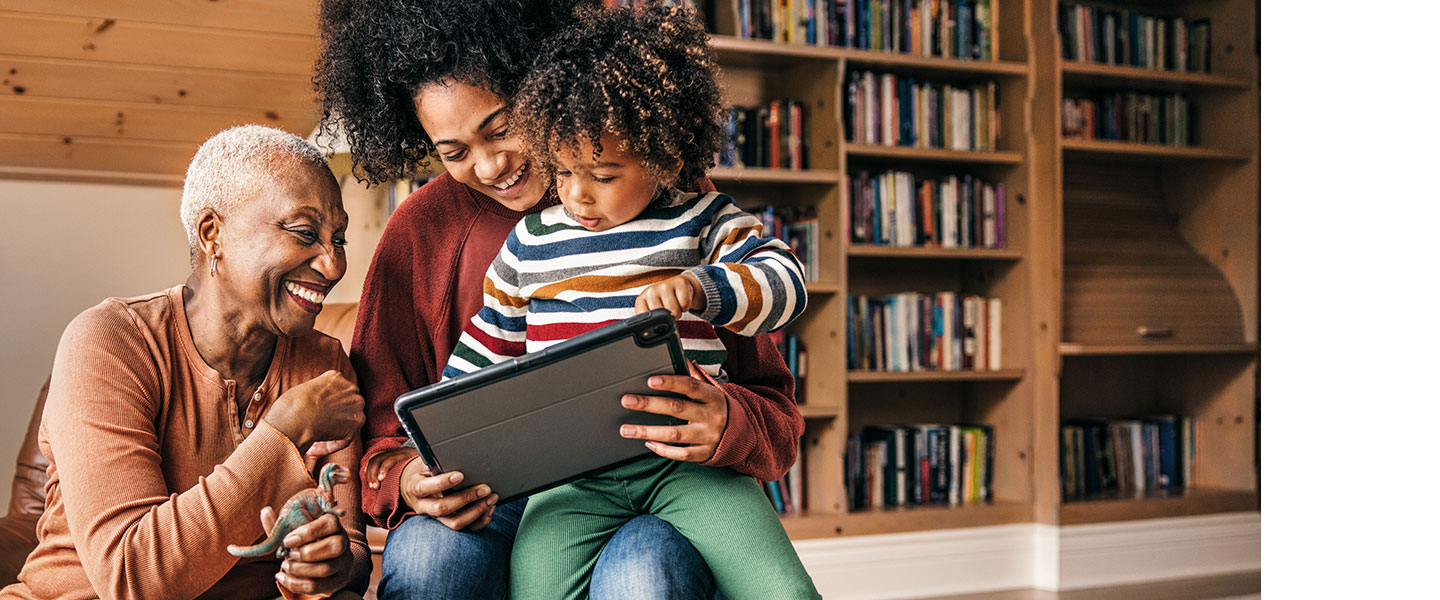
(212,265)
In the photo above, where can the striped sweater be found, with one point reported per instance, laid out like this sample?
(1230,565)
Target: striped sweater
(554,280)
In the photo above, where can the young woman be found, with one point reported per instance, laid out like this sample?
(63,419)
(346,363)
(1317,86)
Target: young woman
(405,80)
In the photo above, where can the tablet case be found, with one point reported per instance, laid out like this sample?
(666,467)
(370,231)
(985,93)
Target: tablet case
(540,420)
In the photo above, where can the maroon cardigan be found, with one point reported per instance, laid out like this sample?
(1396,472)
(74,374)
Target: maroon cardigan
(425,283)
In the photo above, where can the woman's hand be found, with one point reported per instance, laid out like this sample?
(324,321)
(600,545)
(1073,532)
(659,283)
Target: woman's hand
(325,409)
(707,411)
(434,495)
(676,294)
(320,559)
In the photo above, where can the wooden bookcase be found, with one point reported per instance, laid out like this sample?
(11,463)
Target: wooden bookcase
(1195,210)
(1146,240)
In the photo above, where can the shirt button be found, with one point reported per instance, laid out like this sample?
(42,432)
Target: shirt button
(249,424)
(257,395)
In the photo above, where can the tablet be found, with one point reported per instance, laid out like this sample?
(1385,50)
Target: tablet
(541,420)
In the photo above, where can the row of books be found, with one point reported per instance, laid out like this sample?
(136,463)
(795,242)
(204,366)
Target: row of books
(945,28)
(787,494)
(915,331)
(770,135)
(897,208)
(1122,37)
(792,349)
(1132,117)
(913,465)
(894,110)
(1099,456)
(798,228)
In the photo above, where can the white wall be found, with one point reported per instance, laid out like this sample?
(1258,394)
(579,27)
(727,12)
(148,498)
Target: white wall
(64,247)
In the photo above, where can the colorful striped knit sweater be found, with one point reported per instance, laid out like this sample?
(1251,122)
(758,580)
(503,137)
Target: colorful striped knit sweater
(554,280)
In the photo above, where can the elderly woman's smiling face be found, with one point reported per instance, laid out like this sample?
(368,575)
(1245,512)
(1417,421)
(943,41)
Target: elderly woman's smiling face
(283,250)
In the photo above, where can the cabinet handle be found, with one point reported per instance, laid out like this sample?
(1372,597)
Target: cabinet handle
(1154,332)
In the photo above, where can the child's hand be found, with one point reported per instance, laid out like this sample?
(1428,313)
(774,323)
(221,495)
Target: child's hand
(676,294)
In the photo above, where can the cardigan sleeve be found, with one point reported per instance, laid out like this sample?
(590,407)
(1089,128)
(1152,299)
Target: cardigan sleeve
(763,426)
(390,354)
(129,530)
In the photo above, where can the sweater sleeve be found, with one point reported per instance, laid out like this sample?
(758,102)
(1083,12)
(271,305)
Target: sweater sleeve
(763,427)
(497,332)
(753,284)
(390,353)
(130,531)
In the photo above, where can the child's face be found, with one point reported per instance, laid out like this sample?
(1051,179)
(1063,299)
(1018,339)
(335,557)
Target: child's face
(606,191)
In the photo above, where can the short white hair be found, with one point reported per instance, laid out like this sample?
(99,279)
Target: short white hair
(233,164)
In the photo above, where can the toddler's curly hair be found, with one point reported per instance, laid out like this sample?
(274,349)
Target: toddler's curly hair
(645,74)
(376,54)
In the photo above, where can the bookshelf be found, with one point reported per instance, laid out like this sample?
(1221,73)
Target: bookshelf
(1156,247)
(1071,343)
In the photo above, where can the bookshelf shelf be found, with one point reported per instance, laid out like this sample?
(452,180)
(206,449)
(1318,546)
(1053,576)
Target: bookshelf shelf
(734,50)
(1074,349)
(897,252)
(822,287)
(811,411)
(915,63)
(925,376)
(1094,74)
(1146,152)
(763,175)
(1199,501)
(919,518)
(998,157)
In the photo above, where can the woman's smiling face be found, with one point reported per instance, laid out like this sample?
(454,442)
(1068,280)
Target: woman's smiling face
(469,127)
(283,250)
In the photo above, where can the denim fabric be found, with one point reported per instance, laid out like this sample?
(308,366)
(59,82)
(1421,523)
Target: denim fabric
(424,559)
(646,558)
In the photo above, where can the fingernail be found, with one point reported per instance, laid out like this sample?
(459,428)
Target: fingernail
(629,401)
(292,540)
(653,381)
(492,500)
(456,478)
(652,445)
(627,430)
(482,491)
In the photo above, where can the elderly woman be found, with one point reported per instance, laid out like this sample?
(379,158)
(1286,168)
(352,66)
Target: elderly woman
(411,79)
(177,420)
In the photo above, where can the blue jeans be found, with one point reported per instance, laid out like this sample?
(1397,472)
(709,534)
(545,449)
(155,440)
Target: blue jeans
(646,558)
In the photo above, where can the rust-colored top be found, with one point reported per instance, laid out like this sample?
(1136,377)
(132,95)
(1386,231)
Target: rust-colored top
(154,471)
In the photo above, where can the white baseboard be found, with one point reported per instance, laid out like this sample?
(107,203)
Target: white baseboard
(921,564)
(1156,549)
(980,559)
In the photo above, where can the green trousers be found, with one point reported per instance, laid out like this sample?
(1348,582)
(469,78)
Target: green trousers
(724,514)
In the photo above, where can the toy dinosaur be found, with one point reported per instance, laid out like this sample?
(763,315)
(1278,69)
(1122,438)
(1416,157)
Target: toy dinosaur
(305,506)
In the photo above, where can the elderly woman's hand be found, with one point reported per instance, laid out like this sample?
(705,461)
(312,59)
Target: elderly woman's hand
(327,408)
(320,561)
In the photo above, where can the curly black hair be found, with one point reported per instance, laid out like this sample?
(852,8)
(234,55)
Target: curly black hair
(376,54)
(645,74)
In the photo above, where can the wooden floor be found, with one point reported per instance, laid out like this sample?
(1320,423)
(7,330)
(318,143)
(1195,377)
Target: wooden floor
(1244,586)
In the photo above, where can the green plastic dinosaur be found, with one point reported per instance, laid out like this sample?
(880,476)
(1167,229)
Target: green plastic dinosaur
(305,506)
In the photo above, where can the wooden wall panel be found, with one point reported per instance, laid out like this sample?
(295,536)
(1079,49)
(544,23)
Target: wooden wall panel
(168,86)
(89,118)
(283,16)
(94,154)
(27,34)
